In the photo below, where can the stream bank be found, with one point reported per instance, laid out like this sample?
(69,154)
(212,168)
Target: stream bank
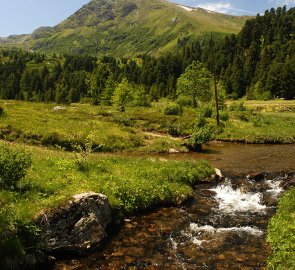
(223,227)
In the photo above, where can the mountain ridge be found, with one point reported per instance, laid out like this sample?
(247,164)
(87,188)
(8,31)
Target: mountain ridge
(126,28)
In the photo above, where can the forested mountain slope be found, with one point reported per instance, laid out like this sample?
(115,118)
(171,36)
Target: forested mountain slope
(259,62)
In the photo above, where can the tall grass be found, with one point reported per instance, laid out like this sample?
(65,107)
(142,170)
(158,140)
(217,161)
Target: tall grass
(281,234)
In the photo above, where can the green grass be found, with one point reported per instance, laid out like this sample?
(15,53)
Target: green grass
(39,124)
(261,122)
(56,175)
(131,183)
(281,234)
(139,129)
(150,28)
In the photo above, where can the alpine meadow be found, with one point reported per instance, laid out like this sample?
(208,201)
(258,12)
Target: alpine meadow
(149,135)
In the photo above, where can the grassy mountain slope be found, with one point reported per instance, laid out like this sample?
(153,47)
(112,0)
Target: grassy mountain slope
(128,27)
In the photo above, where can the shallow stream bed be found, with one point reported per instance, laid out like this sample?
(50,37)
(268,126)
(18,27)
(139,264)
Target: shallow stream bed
(223,227)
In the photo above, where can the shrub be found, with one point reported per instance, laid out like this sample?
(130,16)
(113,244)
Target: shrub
(257,121)
(280,234)
(1,111)
(184,101)
(173,109)
(13,166)
(17,239)
(174,129)
(123,120)
(243,116)
(206,111)
(200,136)
(224,116)
(52,138)
(237,106)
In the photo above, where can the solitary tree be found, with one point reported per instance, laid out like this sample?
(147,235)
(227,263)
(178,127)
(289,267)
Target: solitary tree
(122,95)
(195,82)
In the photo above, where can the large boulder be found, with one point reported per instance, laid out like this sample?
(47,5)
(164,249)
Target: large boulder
(78,225)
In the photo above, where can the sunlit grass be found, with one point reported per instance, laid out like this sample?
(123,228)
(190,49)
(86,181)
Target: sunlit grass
(263,122)
(281,234)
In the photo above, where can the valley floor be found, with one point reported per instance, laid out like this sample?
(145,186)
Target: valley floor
(64,146)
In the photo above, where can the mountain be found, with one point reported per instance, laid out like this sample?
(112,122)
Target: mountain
(126,28)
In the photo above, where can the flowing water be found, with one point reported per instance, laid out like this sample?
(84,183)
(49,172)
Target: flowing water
(223,227)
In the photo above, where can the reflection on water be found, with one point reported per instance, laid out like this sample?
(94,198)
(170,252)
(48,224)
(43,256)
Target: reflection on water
(245,158)
(224,226)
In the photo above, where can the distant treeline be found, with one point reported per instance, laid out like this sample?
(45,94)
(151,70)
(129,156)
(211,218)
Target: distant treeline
(258,63)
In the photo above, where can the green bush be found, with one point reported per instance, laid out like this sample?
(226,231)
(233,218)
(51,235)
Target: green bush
(17,239)
(1,111)
(123,120)
(224,116)
(243,116)
(13,166)
(206,111)
(184,101)
(257,121)
(173,109)
(237,106)
(174,129)
(200,136)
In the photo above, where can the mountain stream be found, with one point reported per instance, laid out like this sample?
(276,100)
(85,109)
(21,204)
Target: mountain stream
(222,227)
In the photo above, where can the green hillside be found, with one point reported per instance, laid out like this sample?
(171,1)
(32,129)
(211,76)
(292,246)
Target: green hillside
(126,28)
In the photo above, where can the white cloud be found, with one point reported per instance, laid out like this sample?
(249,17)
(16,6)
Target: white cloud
(225,7)
(222,7)
(282,2)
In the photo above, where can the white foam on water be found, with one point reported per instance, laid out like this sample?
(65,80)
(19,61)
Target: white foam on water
(211,230)
(205,231)
(231,200)
(174,248)
(274,186)
(173,243)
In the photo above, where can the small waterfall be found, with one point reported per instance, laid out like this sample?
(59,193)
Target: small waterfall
(234,200)
(232,204)
(274,187)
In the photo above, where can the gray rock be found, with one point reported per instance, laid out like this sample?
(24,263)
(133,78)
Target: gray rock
(256,176)
(78,225)
(173,151)
(218,172)
(59,108)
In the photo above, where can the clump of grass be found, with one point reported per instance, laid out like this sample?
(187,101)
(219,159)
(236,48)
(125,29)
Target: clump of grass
(281,234)
(173,109)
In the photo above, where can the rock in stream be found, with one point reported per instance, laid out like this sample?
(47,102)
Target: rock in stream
(76,226)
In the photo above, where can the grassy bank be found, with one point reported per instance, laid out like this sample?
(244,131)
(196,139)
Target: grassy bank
(131,183)
(137,129)
(281,234)
(260,122)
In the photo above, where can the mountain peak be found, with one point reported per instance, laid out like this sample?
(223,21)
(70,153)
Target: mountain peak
(129,27)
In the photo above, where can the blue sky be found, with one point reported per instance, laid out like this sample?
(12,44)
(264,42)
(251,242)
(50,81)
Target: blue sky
(24,16)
